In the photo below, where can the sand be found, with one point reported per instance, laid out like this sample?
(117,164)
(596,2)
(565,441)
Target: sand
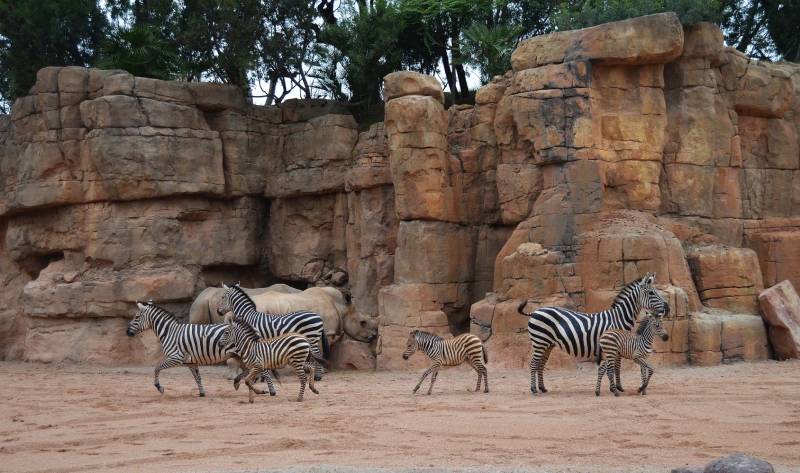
(84,418)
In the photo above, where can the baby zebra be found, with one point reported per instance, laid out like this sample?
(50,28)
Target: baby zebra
(452,352)
(617,344)
(259,356)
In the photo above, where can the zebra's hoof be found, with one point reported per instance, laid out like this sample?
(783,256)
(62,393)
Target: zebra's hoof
(160,388)
(202,394)
(619,388)
(597,393)
(314,390)
(616,393)
(543,390)
(251,401)
(317,377)
(272,393)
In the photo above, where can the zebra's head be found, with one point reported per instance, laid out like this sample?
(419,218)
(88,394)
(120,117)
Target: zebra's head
(649,298)
(225,305)
(143,319)
(234,336)
(652,324)
(412,344)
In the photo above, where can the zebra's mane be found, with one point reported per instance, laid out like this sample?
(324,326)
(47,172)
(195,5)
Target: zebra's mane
(422,335)
(646,321)
(249,333)
(627,290)
(161,312)
(244,294)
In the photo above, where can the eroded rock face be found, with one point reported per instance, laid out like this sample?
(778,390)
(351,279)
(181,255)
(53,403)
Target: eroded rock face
(605,153)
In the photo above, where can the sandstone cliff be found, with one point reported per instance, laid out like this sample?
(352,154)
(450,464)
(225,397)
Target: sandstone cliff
(605,153)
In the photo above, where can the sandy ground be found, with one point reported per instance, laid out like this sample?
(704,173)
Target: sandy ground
(83,418)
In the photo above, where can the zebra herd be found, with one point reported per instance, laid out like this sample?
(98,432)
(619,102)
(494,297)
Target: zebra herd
(262,342)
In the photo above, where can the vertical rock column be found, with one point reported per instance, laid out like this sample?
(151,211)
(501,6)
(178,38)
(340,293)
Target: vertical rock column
(434,260)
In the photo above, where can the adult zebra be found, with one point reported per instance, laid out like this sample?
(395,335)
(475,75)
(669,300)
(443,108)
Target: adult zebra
(189,345)
(578,333)
(306,323)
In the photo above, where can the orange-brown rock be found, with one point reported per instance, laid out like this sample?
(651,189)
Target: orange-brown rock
(780,308)
(727,278)
(400,84)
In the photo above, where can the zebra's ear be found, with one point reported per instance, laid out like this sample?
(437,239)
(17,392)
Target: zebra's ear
(649,278)
(140,305)
(224,286)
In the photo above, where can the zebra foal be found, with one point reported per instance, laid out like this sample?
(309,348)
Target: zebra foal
(578,333)
(617,344)
(451,352)
(260,356)
(306,323)
(189,345)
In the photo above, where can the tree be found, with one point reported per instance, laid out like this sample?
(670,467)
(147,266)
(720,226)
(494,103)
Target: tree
(287,48)
(52,33)
(575,14)
(218,40)
(783,19)
(365,47)
(142,40)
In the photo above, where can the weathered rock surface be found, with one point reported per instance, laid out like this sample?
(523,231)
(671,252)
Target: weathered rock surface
(739,463)
(724,337)
(727,278)
(780,308)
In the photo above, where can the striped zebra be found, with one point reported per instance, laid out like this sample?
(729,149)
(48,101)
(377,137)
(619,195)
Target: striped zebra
(578,333)
(617,344)
(260,356)
(452,352)
(306,323)
(189,345)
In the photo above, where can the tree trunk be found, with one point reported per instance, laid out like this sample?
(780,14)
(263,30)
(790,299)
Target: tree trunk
(448,73)
(273,83)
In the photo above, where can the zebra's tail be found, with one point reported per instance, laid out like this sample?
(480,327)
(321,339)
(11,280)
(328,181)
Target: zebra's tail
(485,354)
(522,306)
(599,356)
(319,360)
(326,347)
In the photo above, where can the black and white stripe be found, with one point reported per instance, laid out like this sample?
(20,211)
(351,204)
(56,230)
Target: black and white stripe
(260,356)
(189,345)
(578,333)
(306,323)
(449,352)
(617,344)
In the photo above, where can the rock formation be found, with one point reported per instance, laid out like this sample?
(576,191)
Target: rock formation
(603,154)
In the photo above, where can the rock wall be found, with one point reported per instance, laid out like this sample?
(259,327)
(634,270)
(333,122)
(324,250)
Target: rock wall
(119,188)
(604,153)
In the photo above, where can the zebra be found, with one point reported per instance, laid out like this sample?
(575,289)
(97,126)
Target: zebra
(306,323)
(452,352)
(190,345)
(617,344)
(260,356)
(578,333)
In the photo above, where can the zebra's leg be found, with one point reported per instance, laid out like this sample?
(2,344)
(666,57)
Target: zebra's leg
(534,368)
(645,376)
(433,379)
(610,367)
(541,369)
(424,375)
(485,376)
(311,368)
(238,379)
(616,374)
(266,376)
(249,380)
(301,374)
(169,362)
(196,373)
(474,365)
(601,370)
(319,370)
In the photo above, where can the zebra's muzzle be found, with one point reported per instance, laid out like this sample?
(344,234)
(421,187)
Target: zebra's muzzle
(130,333)
(665,337)
(405,357)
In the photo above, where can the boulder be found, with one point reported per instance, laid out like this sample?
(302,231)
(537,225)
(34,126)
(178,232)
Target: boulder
(726,278)
(434,252)
(352,355)
(403,83)
(739,463)
(780,308)
(719,336)
(643,40)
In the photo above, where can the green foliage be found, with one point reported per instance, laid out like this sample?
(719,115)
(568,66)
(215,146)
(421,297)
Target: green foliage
(364,48)
(783,24)
(142,51)
(45,33)
(574,14)
(489,49)
(763,28)
(218,39)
